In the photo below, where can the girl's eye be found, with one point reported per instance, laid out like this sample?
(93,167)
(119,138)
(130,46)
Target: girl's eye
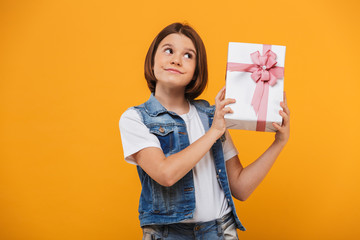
(188,55)
(169,50)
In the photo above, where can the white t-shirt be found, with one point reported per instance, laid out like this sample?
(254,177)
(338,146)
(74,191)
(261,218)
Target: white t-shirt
(210,198)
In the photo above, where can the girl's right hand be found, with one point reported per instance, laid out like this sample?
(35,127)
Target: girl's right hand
(219,124)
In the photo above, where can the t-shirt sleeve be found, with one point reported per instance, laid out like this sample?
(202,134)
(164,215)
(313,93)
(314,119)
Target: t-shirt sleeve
(135,135)
(229,148)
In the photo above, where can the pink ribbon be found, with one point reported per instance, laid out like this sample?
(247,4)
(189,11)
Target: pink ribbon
(264,73)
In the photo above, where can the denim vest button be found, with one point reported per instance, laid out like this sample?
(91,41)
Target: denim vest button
(161,129)
(219,170)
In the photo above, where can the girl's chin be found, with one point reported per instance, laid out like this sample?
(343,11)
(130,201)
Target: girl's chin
(173,86)
(174,81)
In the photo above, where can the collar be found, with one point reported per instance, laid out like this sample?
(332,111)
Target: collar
(153,107)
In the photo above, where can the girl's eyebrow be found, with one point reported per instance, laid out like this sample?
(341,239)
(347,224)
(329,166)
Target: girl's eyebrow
(187,49)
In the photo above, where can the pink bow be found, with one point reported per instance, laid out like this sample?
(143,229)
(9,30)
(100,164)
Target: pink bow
(264,72)
(265,66)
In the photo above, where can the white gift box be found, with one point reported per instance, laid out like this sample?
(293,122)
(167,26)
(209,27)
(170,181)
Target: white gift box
(241,74)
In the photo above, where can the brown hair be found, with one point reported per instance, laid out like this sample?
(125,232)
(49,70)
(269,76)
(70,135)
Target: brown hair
(199,82)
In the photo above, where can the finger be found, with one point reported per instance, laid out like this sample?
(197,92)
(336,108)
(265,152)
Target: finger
(225,102)
(285,117)
(227,110)
(284,104)
(285,108)
(276,126)
(220,93)
(222,97)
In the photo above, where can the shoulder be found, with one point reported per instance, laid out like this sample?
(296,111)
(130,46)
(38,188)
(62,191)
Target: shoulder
(130,117)
(203,105)
(133,113)
(201,102)
(129,113)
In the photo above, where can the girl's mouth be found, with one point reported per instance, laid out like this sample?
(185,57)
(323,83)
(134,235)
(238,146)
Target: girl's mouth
(173,70)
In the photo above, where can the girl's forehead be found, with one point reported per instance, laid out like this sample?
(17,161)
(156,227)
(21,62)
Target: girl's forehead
(177,39)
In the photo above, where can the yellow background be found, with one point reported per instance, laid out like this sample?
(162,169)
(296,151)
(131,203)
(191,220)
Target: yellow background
(69,69)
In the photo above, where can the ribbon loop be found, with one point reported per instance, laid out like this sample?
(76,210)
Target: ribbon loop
(255,57)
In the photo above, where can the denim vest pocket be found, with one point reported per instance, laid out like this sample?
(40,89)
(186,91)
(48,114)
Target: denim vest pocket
(165,134)
(167,200)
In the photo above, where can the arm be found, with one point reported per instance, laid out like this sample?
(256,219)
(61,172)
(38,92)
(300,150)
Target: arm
(243,181)
(168,170)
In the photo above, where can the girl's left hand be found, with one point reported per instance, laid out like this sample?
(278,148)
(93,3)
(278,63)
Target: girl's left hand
(283,131)
(220,110)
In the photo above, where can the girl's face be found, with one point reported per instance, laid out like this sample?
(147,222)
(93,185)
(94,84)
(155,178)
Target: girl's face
(175,61)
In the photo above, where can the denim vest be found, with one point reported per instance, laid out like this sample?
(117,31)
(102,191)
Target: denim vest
(166,205)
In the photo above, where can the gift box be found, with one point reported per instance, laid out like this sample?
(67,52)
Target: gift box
(255,78)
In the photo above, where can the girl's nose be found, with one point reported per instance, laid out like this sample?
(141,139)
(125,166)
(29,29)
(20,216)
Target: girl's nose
(176,60)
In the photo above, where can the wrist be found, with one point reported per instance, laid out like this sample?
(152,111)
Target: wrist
(280,143)
(215,133)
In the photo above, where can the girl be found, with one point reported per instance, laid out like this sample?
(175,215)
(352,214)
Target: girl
(185,157)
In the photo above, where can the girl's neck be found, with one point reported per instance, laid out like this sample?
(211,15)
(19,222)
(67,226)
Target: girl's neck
(174,101)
